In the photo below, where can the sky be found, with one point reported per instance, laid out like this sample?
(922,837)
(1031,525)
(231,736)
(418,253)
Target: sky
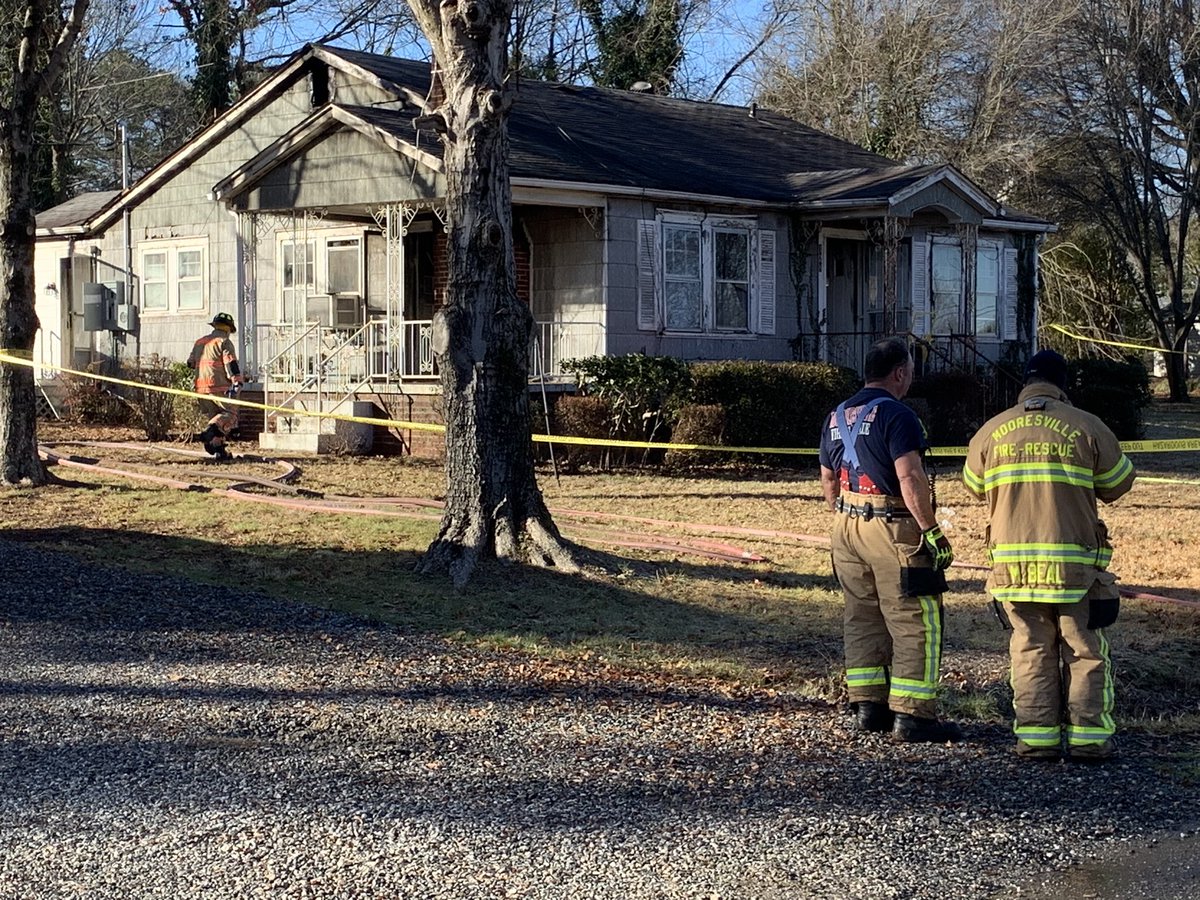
(724,30)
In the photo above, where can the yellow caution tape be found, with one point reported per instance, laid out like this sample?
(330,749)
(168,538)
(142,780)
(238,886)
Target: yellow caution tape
(1156,480)
(9,356)
(1168,446)
(1094,340)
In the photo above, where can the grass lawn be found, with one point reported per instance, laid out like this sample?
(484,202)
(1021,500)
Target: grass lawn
(772,625)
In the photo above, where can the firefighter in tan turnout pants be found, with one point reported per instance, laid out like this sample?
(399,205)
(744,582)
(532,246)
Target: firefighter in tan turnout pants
(1041,466)
(215,361)
(888,552)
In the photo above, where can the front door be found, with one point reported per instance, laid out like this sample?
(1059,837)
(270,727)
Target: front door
(845,296)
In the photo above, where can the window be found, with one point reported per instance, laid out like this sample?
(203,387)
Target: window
(173,276)
(683,289)
(154,281)
(946,291)
(320,279)
(987,290)
(732,271)
(705,275)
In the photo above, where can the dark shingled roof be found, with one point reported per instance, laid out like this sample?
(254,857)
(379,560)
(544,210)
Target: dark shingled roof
(593,135)
(76,211)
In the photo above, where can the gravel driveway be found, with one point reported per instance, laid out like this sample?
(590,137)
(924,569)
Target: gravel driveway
(160,739)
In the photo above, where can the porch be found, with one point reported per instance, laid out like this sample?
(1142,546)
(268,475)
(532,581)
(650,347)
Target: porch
(318,368)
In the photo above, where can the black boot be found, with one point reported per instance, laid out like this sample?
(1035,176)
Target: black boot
(870,715)
(914,729)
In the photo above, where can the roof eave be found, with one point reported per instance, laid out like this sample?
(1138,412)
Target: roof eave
(623,190)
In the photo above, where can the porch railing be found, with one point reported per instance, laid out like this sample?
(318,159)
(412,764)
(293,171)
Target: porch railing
(327,365)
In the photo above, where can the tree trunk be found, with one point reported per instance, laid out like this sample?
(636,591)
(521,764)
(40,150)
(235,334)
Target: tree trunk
(19,463)
(1177,370)
(482,334)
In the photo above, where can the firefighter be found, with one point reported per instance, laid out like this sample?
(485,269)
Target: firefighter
(214,360)
(888,552)
(1041,466)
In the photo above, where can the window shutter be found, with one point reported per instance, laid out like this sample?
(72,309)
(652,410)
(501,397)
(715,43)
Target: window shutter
(766,282)
(647,257)
(1010,294)
(920,287)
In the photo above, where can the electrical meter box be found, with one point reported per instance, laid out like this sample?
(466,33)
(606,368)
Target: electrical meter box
(105,309)
(127,317)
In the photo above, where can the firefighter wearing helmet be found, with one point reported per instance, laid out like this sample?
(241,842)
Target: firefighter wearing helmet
(214,360)
(1041,466)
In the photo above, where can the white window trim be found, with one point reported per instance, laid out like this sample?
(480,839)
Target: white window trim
(709,225)
(320,239)
(172,247)
(1001,299)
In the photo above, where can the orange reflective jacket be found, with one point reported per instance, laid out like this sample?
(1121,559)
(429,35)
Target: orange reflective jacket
(215,361)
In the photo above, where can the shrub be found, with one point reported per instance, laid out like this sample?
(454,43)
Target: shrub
(952,404)
(156,409)
(697,424)
(642,391)
(1117,392)
(771,404)
(92,402)
(586,417)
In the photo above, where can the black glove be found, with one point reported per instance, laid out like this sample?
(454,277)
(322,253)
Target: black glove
(1102,612)
(939,547)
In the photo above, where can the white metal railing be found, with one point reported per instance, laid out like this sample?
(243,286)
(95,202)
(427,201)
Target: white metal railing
(326,365)
(554,342)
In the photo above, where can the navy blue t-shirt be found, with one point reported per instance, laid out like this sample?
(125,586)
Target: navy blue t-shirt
(890,431)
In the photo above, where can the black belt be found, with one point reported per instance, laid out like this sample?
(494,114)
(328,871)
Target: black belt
(868,512)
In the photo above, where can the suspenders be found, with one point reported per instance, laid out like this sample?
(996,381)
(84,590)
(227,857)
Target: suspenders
(849,436)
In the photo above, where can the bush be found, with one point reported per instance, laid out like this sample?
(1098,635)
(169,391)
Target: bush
(156,409)
(642,391)
(88,401)
(772,404)
(697,424)
(1117,392)
(585,417)
(952,405)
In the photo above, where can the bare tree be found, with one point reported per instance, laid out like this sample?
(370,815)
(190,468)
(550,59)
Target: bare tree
(919,80)
(482,334)
(1127,155)
(36,37)
(236,41)
(109,78)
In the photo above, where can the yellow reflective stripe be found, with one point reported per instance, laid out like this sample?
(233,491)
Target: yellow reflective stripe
(933,637)
(1079,735)
(1037,473)
(910,687)
(866,675)
(1023,594)
(971,480)
(1039,735)
(1067,553)
(1116,474)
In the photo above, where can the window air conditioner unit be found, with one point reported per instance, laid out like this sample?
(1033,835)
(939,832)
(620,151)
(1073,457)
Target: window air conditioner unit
(347,310)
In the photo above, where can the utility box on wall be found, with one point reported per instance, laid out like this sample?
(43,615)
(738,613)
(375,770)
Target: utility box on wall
(127,317)
(105,309)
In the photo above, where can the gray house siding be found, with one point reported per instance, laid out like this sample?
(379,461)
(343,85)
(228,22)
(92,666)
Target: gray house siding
(346,169)
(566,264)
(624,335)
(180,209)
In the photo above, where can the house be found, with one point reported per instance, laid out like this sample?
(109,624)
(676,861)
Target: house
(313,211)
